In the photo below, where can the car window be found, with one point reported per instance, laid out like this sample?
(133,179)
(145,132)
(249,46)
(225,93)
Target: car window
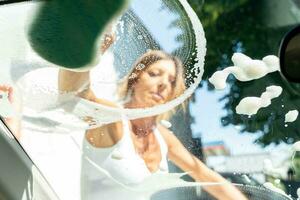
(164,78)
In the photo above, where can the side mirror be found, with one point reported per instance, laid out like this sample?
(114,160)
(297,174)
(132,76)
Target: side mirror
(289,55)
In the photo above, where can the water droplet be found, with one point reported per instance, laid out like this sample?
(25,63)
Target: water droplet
(132,76)
(117,155)
(246,178)
(140,66)
(163,168)
(166,123)
(298,193)
(140,37)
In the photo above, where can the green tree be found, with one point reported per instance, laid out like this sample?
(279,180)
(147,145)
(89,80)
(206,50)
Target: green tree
(240,26)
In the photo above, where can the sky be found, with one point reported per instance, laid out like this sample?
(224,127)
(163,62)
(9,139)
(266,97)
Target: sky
(208,111)
(159,26)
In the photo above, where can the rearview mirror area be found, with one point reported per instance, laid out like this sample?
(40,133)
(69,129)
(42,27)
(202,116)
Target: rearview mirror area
(289,54)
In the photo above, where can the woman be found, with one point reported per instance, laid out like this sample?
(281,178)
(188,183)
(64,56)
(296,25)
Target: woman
(131,150)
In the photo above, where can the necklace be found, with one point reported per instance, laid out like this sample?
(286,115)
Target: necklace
(142,132)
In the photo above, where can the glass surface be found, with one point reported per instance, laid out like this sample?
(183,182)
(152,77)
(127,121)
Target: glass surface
(260,145)
(58,124)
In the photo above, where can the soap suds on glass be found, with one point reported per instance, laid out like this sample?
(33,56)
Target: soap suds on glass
(245,69)
(250,105)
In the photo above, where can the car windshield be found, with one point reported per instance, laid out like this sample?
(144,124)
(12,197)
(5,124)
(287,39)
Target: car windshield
(169,86)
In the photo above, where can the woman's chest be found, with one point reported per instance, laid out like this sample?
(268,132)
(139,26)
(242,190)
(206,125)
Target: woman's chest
(148,149)
(127,166)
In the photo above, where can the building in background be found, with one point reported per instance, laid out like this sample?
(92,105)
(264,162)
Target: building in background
(215,148)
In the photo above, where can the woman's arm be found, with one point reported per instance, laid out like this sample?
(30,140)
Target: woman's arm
(69,81)
(179,155)
(104,136)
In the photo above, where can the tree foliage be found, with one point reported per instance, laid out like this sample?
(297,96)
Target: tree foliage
(240,26)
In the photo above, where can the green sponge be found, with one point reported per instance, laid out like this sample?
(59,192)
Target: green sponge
(64,32)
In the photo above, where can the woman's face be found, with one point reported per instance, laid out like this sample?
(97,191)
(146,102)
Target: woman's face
(155,84)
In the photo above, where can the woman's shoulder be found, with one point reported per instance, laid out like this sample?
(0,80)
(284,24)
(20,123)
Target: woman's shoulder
(105,136)
(167,134)
(163,129)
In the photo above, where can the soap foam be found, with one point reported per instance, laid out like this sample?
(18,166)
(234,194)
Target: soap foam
(245,69)
(250,105)
(296,146)
(270,186)
(291,116)
(166,123)
(269,169)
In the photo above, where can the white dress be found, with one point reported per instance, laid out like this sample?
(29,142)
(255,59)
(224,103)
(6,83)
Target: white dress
(123,164)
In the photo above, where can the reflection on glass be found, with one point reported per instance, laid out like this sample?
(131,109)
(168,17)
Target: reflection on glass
(54,120)
(53,99)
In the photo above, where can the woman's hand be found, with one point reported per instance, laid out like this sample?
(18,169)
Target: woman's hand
(10,118)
